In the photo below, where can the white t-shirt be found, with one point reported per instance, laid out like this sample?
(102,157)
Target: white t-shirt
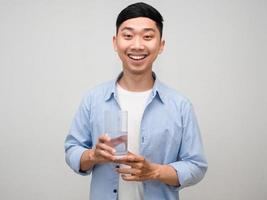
(134,103)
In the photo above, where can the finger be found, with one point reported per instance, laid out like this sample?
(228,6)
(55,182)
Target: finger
(136,165)
(131,158)
(127,170)
(104,154)
(132,178)
(105,147)
(120,162)
(104,138)
(136,158)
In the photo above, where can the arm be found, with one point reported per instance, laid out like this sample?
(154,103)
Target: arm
(168,175)
(142,170)
(79,152)
(191,165)
(189,168)
(87,160)
(102,153)
(79,137)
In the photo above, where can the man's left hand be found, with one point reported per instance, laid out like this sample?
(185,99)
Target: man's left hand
(139,168)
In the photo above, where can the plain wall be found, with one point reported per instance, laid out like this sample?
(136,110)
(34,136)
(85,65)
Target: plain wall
(52,52)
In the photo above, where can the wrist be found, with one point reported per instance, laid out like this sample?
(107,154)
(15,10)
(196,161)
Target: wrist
(157,170)
(166,174)
(91,157)
(87,160)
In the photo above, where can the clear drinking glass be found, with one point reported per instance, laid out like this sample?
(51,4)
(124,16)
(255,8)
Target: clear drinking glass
(116,126)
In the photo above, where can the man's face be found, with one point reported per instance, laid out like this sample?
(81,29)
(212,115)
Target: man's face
(138,44)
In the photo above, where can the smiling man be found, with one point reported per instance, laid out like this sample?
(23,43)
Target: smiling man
(138,43)
(164,142)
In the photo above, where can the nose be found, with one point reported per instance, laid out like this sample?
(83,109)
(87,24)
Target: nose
(137,43)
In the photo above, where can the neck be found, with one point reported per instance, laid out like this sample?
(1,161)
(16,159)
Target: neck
(136,82)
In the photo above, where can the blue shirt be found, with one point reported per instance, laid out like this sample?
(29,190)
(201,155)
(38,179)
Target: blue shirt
(169,135)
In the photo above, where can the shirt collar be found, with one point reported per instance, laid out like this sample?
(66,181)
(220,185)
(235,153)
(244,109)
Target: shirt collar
(157,90)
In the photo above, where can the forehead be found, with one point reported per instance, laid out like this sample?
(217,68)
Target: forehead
(139,24)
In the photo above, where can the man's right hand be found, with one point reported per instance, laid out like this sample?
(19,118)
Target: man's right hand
(102,153)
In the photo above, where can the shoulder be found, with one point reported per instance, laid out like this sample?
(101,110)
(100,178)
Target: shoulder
(171,95)
(100,89)
(98,92)
(176,103)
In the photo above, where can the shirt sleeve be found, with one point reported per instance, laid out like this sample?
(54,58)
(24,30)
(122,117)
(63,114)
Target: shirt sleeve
(79,137)
(192,164)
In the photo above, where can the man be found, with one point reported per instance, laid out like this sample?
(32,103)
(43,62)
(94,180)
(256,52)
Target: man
(165,147)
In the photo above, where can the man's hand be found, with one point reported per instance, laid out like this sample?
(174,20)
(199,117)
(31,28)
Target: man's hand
(102,153)
(141,169)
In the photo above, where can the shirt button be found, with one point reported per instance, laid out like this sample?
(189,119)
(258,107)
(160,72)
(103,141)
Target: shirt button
(115,191)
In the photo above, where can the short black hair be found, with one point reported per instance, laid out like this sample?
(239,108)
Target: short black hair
(140,10)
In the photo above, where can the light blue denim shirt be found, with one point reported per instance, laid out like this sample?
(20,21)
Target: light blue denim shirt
(169,135)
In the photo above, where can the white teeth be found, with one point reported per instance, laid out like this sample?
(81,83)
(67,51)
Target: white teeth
(137,57)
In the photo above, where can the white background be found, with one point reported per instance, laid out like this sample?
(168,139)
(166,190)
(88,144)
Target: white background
(52,52)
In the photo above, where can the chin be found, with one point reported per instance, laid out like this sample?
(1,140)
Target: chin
(137,70)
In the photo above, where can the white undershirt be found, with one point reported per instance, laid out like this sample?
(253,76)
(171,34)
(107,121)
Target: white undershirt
(134,103)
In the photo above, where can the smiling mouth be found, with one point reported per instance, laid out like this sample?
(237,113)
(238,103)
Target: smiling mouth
(137,57)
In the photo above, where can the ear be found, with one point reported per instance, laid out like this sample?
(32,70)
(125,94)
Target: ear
(114,40)
(162,44)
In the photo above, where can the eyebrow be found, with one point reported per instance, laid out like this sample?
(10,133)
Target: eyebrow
(132,29)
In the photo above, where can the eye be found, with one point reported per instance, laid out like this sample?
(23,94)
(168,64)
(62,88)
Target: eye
(148,37)
(127,36)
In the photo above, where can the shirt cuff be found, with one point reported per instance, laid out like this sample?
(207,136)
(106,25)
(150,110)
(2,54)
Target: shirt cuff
(73,158)
(183,173)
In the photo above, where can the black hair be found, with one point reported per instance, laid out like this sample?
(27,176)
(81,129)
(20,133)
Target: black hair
(140,10)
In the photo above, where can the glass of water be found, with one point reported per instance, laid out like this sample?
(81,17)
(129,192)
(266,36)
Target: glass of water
(116,126)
